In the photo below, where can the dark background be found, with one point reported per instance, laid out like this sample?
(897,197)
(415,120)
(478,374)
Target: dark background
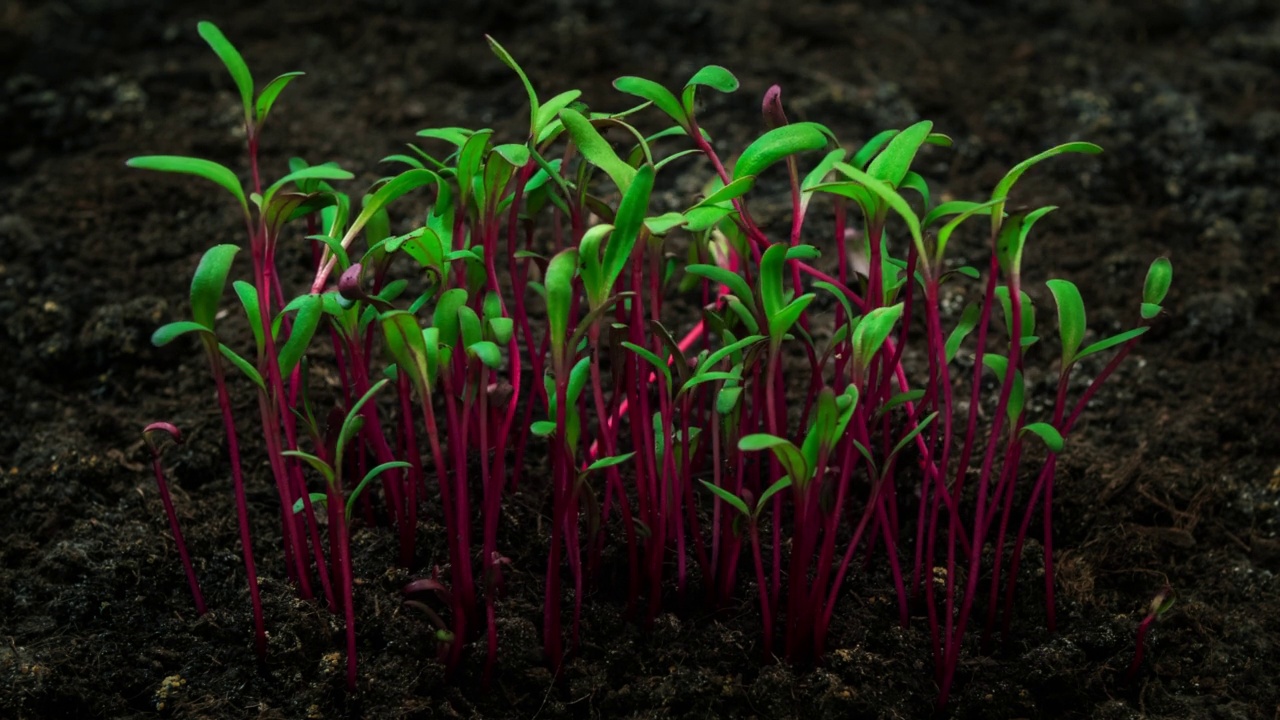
(1174,476)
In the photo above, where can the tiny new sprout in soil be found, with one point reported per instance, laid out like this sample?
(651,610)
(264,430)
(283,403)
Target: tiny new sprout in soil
(693,446)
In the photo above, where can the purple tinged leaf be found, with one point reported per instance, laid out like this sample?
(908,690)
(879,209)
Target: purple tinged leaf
(267,98)
(771,108)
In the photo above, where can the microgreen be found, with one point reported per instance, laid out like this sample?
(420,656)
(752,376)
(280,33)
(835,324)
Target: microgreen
(528,315)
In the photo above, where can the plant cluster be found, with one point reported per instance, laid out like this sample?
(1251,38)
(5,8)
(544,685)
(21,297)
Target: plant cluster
(528,313)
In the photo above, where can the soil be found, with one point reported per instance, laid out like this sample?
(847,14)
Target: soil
(1173,478)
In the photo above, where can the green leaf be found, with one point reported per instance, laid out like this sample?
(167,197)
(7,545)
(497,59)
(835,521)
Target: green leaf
(369,476)
(700,219)
(736,284)
(890,197)
(551,109)
(351,425)
(267,98)
(873,146)
(1071,318)
(404,339)
(654,93)
(1048,433)
(248,295)
(487,352)
(315,172)
(243,366)
(909,437)
(317,499)
(445,318)
(727,399)
(166,334)
(1013,238)
(232,60)
(304,327)
(1002,189)
(892,164)
(872,332)
(778,144)
(543,428)
(819,173)
(510,62)
(963,211)
(627,224)
(209,281)
(714,358)
(785,318)
(559,285)
(968,321)
(771,276)
(999,364)
(728,497)
(405,182)
(1156,286)
(1111,342)
(732,191)
(649,356)
(596,149)
(455,136)
(517,155)
(206,169)
(322,467)
(712,76)
(609,462)
(901,398)
(788,455)
(1028,314)
(778,486)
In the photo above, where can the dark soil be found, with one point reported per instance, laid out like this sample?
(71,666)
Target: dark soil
(1173,478)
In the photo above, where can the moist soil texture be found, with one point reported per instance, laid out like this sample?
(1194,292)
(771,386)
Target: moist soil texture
(1173,477)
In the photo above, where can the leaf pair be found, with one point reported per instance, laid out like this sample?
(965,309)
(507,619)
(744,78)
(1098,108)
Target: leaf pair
(682,110)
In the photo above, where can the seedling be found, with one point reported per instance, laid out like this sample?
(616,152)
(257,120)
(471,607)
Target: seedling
(1160,605)
(636,418)
(148,434)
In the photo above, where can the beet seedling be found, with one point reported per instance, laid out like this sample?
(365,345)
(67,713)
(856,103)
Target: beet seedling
(163,485)
(635,417)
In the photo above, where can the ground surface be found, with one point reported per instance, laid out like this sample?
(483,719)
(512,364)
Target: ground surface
(1174,478)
